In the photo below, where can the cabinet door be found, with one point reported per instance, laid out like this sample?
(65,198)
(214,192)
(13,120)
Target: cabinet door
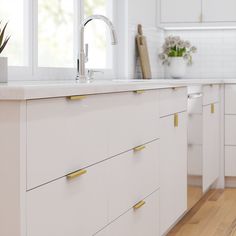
(211,144)
(69,206)
(219,10)
(137,222)
(180,11)
(173,171)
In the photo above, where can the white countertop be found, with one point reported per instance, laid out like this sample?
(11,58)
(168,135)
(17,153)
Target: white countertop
(23,90)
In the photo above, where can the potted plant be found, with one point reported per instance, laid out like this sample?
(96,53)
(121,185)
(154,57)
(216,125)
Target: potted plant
(3,60)
(177,54)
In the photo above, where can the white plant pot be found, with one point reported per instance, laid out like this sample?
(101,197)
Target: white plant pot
(3,70)
(178,67)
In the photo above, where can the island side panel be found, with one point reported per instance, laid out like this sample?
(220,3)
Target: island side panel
(12,168)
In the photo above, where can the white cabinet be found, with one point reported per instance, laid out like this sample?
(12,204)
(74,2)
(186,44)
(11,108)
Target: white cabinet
(219,10)
(173,171)
(69,206)
(184,13)
(133,176)
(230,130)
(62,133)
(137,222)
(73,134)
(173,11)
(211,144)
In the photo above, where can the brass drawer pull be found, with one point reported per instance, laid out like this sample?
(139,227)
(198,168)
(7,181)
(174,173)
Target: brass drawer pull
(176,120)
(81,97)
(139,205)
(212,108)
(139,148)
(76,174)
(139,91)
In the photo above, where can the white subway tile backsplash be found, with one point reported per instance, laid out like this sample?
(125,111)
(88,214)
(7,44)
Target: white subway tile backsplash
(216,55)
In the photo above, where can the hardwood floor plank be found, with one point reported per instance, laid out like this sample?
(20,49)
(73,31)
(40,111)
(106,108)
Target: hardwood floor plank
(214,215)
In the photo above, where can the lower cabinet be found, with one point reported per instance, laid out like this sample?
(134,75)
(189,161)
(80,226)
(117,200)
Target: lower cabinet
(69,206)
(211,144)
(173,171)
(141,220)
(85,201)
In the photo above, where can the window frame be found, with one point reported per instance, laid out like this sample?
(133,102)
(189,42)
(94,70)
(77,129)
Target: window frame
(32,71)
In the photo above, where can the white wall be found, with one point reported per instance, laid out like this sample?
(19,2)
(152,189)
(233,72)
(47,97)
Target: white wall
(143,12)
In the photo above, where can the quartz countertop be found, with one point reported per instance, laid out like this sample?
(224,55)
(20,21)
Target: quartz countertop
(24,90)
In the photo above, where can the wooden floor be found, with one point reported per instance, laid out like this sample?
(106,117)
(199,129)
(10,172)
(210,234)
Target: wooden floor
(214,215)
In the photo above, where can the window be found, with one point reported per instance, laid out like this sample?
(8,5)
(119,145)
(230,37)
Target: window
(44,35)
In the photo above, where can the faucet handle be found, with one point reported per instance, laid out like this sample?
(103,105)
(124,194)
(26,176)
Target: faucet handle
(86,52)
(92,72)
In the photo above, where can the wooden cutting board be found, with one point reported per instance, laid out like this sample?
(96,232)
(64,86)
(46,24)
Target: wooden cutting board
(143,54)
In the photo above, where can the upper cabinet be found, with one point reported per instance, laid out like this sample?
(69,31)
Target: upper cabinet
(180,11)
(196,13)
(219,10)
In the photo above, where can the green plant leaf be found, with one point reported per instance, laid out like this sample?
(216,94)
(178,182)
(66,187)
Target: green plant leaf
(4,44)
(2,34)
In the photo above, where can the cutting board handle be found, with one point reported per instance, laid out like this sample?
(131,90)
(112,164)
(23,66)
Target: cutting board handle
(140,29)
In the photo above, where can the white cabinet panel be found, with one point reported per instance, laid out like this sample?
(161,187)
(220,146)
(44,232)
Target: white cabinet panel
(173,171)
(219,10)
(69,207)
(211,94)
(134,120)
(133,176)
(178,11)
(140,222)
(173,100)
(211,144)
(230,99)
(230,129)
(230,161)
(64,136)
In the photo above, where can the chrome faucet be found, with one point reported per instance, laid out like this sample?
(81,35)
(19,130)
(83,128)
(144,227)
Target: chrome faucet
(83,57)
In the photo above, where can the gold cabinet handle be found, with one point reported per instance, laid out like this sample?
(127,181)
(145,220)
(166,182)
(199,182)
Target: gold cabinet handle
(176,120)
(81,97)
(139,148)
(139,91)
(76,174)
(139,205)
(212,108)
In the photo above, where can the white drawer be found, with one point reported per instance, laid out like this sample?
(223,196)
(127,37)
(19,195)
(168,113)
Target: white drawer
(211,94)
(230,129)
(230,99)
(140,222)
(132,176)
(173,100)
(230,161)
(64,135)
(69,207)
(134,120)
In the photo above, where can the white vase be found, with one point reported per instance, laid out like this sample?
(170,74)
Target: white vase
(178,67)
(3,70)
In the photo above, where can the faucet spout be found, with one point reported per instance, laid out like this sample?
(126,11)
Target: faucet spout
(81,64)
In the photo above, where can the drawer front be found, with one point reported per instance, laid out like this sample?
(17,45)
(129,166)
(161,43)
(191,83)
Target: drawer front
(62,134)
(230,99)
(137,222)
(69,206)
(133,176)
(211,94)
(230,161)
(230,129)
(73,134)
(133,121)
(173,100)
